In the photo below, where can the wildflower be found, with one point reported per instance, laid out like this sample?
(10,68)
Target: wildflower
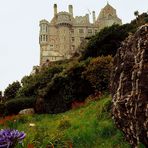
(31,124)
(10,138)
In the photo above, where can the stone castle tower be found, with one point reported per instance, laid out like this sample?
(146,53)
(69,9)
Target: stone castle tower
(60,37)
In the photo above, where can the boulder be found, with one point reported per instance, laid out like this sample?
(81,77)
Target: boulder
(28,111)
(129,87)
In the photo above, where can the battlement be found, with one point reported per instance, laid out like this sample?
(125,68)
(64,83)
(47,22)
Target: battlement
(63,18)
(82,19)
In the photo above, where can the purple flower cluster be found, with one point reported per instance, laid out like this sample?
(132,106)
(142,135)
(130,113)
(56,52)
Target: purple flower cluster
(10,138)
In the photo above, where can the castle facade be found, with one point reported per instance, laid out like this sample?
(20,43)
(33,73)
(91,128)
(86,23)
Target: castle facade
(60,37)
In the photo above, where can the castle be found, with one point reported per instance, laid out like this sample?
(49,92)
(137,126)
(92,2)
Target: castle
(60,37)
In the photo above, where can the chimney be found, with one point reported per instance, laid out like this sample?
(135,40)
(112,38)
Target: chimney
(87,17)
(55,9)
(71,9)
(94,16)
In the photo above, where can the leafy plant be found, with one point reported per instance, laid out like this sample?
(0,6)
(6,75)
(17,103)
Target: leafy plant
(11,91)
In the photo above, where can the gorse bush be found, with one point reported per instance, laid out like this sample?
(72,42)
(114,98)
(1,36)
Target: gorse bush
(108,40)
(33,83)
(98,73)
(11,91)
(15,105)
(60,85)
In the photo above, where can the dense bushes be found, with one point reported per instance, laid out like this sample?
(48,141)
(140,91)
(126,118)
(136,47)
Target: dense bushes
(61,84)
(98,73)
(107,41)
(15,105)
(11,91)
(64,82)
(65,88)
(33,83)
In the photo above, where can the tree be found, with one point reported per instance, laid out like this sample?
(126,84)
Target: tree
(106,42)
(11,90)
(1,97)
(136,13)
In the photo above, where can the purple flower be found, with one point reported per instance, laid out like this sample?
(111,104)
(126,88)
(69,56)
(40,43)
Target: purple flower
(9,138)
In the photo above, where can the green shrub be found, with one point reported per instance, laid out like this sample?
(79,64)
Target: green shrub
(11,90)
(98,73)
(106,42)
(15,105)
(33,83)
(66,87)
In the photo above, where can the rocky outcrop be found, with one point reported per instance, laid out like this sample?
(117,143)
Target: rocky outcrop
(130,87)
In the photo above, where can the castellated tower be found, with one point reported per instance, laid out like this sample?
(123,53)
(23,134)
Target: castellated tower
(60,37)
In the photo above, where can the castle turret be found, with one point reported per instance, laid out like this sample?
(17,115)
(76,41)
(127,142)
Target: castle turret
(55,9)
(71,9)
(43,32)
(94,16)
(43,39)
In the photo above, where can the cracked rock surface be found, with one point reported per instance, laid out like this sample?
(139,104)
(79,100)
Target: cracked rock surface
(130,87)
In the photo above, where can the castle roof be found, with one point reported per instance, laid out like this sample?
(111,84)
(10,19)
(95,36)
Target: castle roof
(108,7)
(107,10)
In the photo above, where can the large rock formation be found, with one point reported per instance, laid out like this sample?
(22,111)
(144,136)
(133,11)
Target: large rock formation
(130,87)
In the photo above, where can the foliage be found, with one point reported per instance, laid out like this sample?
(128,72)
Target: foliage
(140,19)
(1,97)
(108,40)
(11,90)
(85,130)
(15,105)
(98,73)
(33,83)
(65,88)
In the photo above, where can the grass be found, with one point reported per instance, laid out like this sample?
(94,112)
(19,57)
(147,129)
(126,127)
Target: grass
(90,126)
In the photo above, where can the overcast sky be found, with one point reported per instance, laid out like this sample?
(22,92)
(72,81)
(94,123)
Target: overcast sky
(19,29)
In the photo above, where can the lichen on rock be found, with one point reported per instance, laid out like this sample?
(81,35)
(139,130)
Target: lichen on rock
(130,87)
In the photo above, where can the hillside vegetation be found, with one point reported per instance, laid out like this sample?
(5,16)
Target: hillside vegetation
(58,87)
(62,83)
(90,126)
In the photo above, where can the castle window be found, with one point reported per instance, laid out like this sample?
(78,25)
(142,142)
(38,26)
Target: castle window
(43,37)
(72,39)
(73,47)
(72,31)
(51,46)
(81,30)
(81,39)
(46,29)
(90,31)
(46,38)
